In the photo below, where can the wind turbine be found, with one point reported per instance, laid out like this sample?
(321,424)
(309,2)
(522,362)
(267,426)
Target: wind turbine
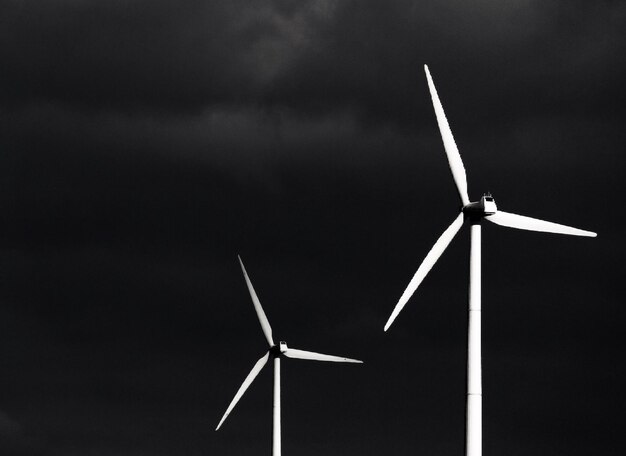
(276,352)
(474,213)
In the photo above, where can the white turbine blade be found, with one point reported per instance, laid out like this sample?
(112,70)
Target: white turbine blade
(454,158)
(265,324)
(430,260)
(246,383)
(302,354)
(527,223)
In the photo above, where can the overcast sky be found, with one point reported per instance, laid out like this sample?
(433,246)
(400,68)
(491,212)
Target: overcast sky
(144,144)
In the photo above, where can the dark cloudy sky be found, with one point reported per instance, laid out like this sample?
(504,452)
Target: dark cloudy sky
(143,144)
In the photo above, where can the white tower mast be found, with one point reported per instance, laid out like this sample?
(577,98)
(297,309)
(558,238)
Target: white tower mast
(474,369)
(276,409)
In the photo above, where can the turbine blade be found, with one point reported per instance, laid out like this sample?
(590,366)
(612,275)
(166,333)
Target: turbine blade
(527,223)
(246,383)
(430,260)
(265,324)
(302,354)
(454,158)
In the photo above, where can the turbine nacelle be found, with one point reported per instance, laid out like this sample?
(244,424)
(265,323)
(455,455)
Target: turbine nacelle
(278,350)
(479,209)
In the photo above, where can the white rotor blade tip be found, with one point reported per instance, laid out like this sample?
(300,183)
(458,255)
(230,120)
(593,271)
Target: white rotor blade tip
(452,152)
(522,222)
(244,386)
(265,324)
(309,355)
(431,258)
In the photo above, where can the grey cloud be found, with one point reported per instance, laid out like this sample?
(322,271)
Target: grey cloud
(8,425)
(312,56)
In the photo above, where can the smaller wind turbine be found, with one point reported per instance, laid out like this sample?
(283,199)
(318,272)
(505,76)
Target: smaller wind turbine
(276,352)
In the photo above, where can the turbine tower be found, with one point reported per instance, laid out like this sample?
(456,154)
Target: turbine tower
(474,213)
(276,352)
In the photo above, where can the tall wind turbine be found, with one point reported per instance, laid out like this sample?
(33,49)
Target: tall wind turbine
(276,352)
(474,213)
